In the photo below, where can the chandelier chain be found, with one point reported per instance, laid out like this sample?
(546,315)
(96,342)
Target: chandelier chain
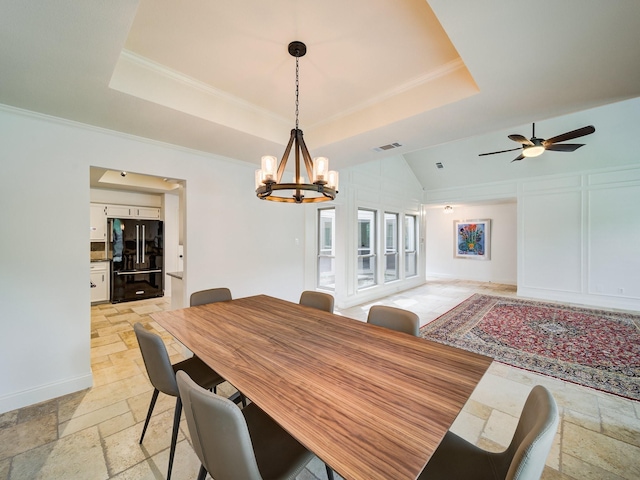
(297,91)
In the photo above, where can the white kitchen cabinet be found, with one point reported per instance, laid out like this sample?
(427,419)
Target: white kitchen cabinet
(119,211)
(147,212)
(128,211)
(98,222)
(99,282)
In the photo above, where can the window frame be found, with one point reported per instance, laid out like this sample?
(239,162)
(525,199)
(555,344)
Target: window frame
(372,247)
(416,251)
(395,252)
(321,252)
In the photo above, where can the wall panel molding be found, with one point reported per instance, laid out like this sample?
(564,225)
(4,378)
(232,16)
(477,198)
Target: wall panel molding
(575,233)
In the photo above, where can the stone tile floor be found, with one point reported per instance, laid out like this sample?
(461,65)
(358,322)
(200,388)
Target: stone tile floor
(93,434)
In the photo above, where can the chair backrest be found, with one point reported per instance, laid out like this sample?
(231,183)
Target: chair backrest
(395,319)
(219,432)
(209,296)
(156,360)
(319,300)
(525,458)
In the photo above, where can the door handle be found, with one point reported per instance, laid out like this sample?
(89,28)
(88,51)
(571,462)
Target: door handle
(140,272)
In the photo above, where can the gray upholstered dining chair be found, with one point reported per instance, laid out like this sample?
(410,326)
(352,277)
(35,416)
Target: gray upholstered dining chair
(524,459)
(395,319)
(211,295)
(319,300)
(237,443)
(162,375)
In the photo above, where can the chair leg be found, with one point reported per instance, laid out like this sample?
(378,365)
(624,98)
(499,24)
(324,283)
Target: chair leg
(329,472)
(174,435)
(151,406)
(202,473)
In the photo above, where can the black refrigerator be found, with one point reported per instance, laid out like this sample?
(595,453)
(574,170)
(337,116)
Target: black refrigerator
(137,269)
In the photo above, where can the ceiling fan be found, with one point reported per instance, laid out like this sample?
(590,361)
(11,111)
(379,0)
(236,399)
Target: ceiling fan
(536,146)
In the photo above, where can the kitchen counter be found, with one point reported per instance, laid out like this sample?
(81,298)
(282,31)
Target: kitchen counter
(177,301)
(177,290)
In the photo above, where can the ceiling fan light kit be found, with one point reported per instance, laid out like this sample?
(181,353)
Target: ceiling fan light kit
(535,146)
(534,150)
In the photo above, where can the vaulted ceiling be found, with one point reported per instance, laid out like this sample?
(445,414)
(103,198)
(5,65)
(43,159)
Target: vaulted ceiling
(217,77)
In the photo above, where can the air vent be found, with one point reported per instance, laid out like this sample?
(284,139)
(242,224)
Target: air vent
(439,165)
(387,147)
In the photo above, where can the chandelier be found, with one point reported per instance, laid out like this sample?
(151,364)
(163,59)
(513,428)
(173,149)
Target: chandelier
(323,184)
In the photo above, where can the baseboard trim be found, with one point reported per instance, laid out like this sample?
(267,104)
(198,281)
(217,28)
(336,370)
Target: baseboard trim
(494,281)
(42,393)
(598,301)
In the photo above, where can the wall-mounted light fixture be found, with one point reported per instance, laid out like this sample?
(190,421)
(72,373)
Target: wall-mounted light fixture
(448,209)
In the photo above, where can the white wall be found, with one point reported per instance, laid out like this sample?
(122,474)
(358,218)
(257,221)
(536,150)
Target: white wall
(577,236)
(232,238)
(501,267)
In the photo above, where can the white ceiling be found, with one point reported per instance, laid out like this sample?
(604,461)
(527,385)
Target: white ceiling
(217,77)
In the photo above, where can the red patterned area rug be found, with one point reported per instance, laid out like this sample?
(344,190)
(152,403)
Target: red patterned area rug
(594,348)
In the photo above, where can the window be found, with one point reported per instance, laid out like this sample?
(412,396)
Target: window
(410,246)
(366,248)
(326,248)
(391,247)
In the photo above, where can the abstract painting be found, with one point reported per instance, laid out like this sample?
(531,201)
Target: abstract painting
(472,239)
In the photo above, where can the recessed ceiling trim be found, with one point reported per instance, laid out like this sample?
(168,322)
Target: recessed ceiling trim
(192,82)
(450,86)
(143,78)
(444,70)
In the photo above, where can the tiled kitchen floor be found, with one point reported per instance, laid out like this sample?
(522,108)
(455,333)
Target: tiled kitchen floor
(93,434)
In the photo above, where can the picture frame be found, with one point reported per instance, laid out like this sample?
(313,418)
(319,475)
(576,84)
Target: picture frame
(472,239)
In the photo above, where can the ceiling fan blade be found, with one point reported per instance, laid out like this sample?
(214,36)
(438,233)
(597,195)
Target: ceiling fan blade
(501,151)
(565,147)
(580,132)
(519,157)
(520,139)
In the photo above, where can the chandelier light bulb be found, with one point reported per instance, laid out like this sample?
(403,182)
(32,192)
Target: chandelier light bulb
(259,178)
(269,168)
(320,169)
(332,180)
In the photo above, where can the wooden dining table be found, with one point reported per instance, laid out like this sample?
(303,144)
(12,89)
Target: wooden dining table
(372,403)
